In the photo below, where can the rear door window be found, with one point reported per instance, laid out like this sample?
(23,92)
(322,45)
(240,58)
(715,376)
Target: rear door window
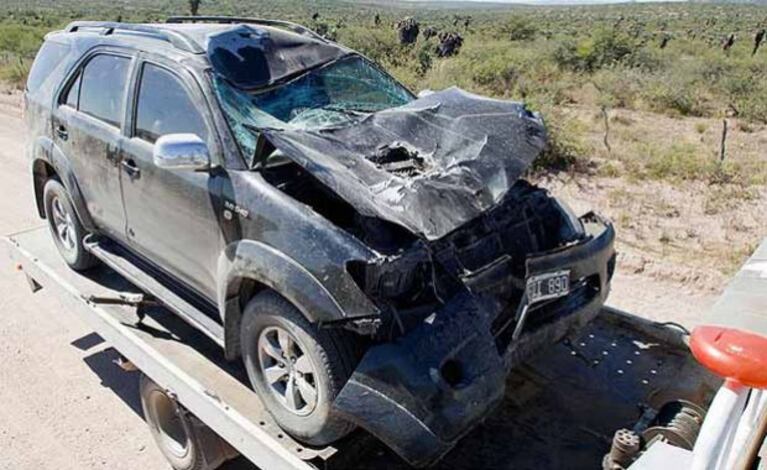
(165,107)
(102,88)
(48,57)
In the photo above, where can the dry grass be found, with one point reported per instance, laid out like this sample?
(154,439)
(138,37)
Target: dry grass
(681,215)
(649,146)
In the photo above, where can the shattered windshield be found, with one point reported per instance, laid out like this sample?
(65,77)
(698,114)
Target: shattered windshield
(333,95)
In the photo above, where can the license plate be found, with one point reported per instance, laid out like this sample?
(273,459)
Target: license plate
(548,286)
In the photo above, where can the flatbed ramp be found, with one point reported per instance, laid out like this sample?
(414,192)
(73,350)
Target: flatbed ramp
(561,409)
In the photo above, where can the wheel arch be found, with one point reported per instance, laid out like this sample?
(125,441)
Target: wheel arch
(42,171)
(55,164)
(248,267)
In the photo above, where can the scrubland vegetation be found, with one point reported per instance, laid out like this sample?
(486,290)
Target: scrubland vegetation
(634,95)
(666,59)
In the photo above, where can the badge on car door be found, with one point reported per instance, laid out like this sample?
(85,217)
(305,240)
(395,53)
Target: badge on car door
(548,286)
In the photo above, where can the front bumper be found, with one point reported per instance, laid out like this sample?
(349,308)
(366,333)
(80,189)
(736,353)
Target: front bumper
(423,392)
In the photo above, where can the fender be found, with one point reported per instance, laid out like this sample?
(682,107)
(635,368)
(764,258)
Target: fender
(46,152)
(259,262)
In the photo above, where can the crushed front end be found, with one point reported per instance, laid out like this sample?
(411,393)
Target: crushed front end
(471,268)
(466,308)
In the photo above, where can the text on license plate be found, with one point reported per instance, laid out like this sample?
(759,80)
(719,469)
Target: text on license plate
(548,286)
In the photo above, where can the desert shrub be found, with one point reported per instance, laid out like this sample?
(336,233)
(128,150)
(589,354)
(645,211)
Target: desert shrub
(564,149)
(664,95)
(424,58)
(18,46)
(679,92)
(746,94)
(565,54)
(682,161)
(499,69)
(381,45)
(518,28)
(15,73)
(620,86)
(19,40)
(604,47)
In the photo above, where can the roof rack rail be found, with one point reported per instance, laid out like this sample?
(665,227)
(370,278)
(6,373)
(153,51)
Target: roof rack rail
(295,27)
(176,38)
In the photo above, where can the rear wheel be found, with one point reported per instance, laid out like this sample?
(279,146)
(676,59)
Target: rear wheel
(296,368)
(66,229)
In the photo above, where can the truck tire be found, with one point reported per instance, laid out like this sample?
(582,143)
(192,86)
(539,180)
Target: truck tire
(185,442)
(296,368)
(65,226)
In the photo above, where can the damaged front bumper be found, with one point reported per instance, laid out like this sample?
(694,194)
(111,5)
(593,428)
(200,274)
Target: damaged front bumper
(421,393)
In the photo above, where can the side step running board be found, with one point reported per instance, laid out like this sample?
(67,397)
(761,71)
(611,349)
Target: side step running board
(116,258)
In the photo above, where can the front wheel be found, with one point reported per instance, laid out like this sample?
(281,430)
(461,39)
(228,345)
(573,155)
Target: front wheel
(296,368)
(66,229)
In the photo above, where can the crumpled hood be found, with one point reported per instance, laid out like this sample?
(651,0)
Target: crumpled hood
(430,166)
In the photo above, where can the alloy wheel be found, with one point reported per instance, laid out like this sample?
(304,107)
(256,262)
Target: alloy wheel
(63,224)
(288,370)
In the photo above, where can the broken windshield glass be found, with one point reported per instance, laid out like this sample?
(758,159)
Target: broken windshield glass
(330,96)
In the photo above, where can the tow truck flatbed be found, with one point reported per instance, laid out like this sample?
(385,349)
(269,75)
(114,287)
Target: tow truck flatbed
(560,411)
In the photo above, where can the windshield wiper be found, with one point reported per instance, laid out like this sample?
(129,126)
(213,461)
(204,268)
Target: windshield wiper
(352,109)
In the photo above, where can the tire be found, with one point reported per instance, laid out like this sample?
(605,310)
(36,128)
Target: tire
(329,355)
(172,432)
(65,226)
(185,442)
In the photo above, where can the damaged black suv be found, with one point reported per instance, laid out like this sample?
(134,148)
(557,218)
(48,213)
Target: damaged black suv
(374,257)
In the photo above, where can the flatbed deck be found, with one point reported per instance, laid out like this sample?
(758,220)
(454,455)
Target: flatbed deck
(560,411)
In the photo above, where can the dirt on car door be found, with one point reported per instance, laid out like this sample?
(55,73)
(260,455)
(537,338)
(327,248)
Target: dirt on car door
(87,125)
(171,213)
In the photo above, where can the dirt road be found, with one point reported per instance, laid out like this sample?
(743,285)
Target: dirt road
(64,405)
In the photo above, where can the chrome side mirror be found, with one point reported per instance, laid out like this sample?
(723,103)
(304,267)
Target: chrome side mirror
(181,152)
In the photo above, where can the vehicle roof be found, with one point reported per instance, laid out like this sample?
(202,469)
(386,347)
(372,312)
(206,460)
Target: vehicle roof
(138,35)
(249,53)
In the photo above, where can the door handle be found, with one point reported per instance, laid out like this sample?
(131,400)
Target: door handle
(61,131)
(130,168)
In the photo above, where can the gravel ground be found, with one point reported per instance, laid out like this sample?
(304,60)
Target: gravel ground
(64,405)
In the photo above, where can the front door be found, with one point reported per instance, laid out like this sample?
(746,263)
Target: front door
(171,214)
(86,128)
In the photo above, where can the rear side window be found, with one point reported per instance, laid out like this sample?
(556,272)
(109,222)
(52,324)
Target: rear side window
(48,57)
(165,107)
(102,88)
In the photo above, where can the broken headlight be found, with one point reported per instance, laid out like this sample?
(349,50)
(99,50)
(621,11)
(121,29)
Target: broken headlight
(397,279)
(572,228)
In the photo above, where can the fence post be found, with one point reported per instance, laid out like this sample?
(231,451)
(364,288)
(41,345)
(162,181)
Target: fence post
(606,139)
(723,145)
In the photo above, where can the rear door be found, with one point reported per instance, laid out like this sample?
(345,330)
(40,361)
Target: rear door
(171,217)
(87,124)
